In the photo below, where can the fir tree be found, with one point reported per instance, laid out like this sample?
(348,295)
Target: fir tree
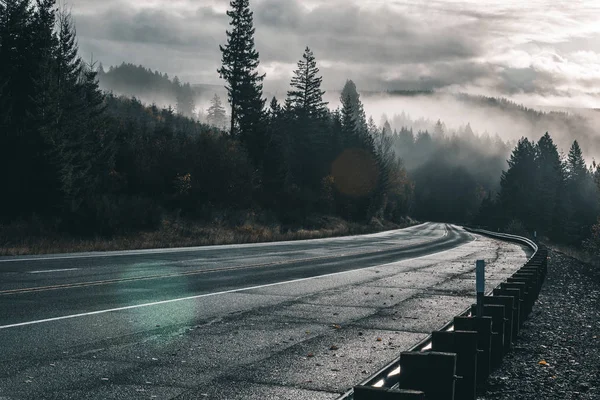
(438,129)
(577,169)
(387,128)
(351,99)
(550,208)
(307,127)
(216,113)
(582,196)
(306,96)
(240,62)
(517,194)
(185,99)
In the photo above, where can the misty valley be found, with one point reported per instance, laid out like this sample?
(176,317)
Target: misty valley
(97,153)
(299,200)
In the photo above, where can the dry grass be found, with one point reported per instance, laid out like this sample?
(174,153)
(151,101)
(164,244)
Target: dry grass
(23,240)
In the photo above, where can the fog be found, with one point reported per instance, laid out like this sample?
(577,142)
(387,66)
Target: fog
(421,110)
(486,115)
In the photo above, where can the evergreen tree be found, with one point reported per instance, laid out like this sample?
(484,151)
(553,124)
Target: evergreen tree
(185,99)
(387,128)
(26,40)
(517,195)
(46,114)
(355,128)
(240,62)
(216,113)
(438,129)
(306,131)
(306,96)
(358,158)
(17,61)
(386,162)
(100,71)
(550,208)
(351,100)
(277,157)
(274,108)
(350,136)
(404,147)
(582,195)
(577,170)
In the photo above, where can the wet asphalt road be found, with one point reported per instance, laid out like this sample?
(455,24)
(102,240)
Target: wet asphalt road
(37,288)
(126,324)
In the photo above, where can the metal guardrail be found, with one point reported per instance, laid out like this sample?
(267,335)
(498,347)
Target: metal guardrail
(392,369)
(507,237)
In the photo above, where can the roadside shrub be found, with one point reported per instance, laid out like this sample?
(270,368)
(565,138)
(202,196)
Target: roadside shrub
(516,227)
(115,214)
(592,244)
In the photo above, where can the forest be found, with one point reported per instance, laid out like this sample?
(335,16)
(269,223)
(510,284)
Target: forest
(137,81)
(80,161)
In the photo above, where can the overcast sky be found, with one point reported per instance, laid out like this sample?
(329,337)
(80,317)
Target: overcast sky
(543,52)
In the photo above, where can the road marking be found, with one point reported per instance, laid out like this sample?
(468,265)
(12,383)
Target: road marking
(201,271)
(156,303)
(46,271)
(119,253)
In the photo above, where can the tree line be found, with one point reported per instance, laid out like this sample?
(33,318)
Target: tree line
(91,162)
(544,193)
(308,158)
(88,162)
(141,82)
(96,163)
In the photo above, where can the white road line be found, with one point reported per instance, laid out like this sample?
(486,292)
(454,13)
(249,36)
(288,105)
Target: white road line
(156,303)
(201,248)
(46,271)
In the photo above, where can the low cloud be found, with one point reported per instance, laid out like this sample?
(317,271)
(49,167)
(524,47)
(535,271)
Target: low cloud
(542,51)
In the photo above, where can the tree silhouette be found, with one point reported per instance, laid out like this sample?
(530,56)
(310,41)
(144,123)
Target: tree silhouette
(306,96)
(216,113)
(239,68)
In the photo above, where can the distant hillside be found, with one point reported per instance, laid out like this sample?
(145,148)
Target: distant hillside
(421,109)
(144,84)
(501,116)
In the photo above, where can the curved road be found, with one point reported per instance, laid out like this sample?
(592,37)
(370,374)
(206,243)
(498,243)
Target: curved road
(233,322)
(39,288)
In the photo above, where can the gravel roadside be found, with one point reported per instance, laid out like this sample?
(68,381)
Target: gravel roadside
(557,355)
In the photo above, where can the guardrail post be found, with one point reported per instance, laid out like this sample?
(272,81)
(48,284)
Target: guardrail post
(464,344)
(497,314)
(483,327)
(529,292)
(430,372)
(531,278)
(515,294)
(509,317)
(525,296)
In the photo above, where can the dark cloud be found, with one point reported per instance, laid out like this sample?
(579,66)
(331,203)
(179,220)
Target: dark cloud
(437,44)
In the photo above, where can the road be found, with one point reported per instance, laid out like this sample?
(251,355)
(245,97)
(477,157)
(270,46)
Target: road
(114,325)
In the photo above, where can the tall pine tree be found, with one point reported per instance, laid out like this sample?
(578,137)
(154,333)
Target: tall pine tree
(582,195)
(216,113)
(308,125)
(517,193)
(306,96)
(551,205)
(240,62)
(185,99)
(354,120)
